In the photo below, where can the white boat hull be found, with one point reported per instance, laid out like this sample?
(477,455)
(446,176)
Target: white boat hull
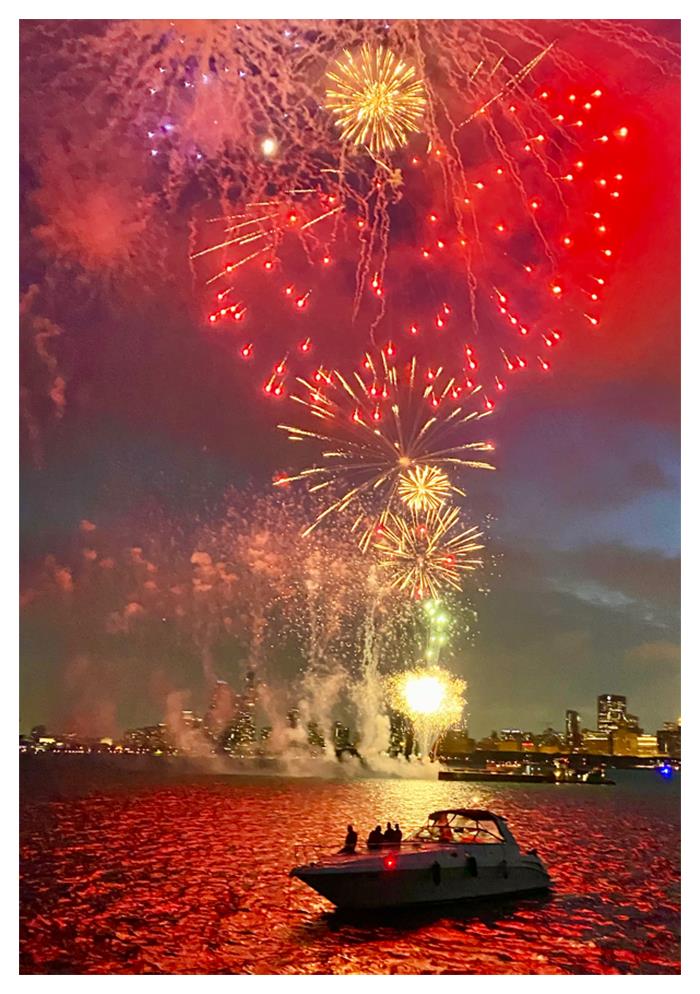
(425,877)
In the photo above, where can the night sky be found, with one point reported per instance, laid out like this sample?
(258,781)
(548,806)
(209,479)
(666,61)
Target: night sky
(129,403)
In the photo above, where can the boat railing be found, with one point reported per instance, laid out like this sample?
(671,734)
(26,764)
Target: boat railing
(308,852)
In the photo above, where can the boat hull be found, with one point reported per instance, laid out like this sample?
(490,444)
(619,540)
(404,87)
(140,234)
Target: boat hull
(379,888)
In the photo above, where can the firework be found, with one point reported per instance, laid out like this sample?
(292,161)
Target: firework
(424,488)
(257,232)
(383,423)
(377,100)
(423,554)
(438,625)
(513,206)
(492,242)
(431,697)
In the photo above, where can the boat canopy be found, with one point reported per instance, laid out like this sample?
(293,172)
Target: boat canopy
(471,825)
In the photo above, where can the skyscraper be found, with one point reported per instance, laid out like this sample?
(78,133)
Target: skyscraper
(612,712)
(220,711)
(573,729)
(669,739)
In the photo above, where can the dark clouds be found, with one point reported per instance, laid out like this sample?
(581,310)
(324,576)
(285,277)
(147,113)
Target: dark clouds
(546,645)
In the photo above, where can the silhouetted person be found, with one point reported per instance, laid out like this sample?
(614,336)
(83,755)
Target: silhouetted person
(398,834)
(388,836)
(374,838)
(350,841)
(446,833)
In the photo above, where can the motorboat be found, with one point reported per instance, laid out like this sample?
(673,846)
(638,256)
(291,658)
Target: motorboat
(459,853)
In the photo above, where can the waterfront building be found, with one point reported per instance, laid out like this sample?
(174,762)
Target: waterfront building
(400,734)
(612,712)
(647,746)
(549,741)
(508,734)
(221,709)
(455,742)
(239,736)
(190,720)
(596,743)
(149,739)
(513,740)
(624,742)
(572,732)
(488,742)
(668,739)
(502,744)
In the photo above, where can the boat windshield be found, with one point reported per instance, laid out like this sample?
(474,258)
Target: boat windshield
(452,827)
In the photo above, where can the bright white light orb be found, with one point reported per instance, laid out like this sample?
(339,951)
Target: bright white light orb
(424,694)
(268,146)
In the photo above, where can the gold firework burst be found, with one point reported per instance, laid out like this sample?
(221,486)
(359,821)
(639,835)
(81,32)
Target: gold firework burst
(425,488)
(381,423)
(424,554)
(427,692)
(377,100)
(433,700)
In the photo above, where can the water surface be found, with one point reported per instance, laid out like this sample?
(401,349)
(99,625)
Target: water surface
(171,872)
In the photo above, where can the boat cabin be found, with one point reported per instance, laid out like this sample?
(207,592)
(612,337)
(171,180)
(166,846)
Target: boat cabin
(465,825)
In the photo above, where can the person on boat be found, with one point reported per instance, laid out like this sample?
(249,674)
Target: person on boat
(398,834)
(374,838)
(444,830)
(388,838)
(350,841)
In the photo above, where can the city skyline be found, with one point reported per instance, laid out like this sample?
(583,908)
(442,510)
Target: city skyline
(228,708)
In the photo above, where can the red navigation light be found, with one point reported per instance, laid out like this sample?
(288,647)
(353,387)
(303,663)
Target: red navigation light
(390,862)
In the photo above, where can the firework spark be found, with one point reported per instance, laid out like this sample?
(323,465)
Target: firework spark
(424,488)
(424,554)
(381,424)
(377,100)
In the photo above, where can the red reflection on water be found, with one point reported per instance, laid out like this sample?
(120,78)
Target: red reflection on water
(153,875)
